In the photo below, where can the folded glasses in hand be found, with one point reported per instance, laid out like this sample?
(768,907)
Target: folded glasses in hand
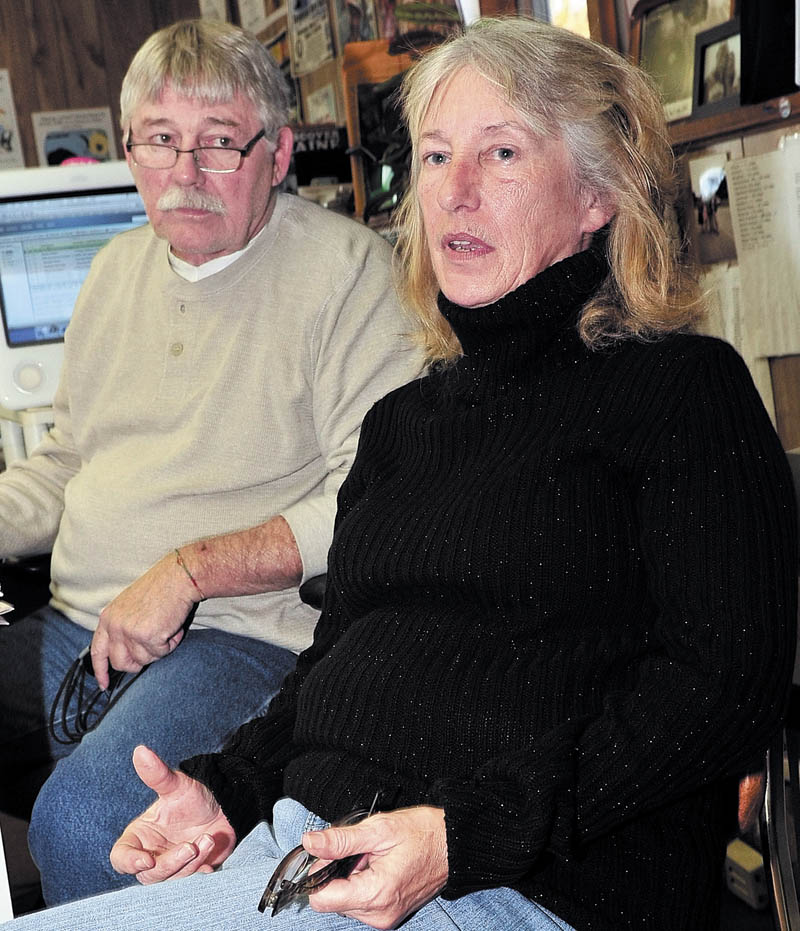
(292,877)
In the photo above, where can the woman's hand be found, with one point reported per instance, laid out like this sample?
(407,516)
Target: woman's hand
(184,831)
(403,867)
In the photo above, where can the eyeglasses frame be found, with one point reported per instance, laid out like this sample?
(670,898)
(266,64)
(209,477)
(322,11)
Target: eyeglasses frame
(281,891)
(243,153)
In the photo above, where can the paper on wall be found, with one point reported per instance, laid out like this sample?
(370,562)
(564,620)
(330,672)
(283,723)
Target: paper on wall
(10,145)
(62,134)
(311,38)
(253,15)
(764,193)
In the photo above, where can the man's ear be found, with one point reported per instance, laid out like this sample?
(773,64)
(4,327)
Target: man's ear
(282,155)
(125,152)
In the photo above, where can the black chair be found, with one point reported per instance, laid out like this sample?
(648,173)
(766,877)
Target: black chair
(780,819)
(26,584)
(312,591)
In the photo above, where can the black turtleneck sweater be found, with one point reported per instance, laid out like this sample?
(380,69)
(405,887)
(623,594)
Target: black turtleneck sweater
(561,606)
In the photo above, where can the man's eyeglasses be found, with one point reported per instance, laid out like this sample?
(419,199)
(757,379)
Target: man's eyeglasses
(211,158)
(292,877)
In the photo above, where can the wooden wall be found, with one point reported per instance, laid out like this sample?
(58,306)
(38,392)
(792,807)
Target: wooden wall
(72,54)
(785,372)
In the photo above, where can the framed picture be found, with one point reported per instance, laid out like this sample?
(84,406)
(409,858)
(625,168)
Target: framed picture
(663,39)
(717,69)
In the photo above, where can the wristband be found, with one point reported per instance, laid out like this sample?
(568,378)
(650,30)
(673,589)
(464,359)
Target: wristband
(192,579)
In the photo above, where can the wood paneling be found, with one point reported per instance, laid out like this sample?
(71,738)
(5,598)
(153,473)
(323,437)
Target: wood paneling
(785,372)
(72,54)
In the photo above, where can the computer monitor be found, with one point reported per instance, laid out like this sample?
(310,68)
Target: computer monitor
(52,222)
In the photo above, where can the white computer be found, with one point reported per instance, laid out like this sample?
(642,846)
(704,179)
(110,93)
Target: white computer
(52,222)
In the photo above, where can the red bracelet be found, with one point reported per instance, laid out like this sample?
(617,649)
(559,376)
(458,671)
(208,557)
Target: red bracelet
(192,579)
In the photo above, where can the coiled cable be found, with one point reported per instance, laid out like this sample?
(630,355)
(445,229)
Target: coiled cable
(80,704)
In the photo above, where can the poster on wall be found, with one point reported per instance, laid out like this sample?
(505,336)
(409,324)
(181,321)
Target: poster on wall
(74,134)
(765,208)
(321,105)
(355,21)
(399,17)
(253,15)
(310,32)
(10,146)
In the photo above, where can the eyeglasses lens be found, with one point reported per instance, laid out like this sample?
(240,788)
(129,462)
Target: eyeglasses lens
(164,156)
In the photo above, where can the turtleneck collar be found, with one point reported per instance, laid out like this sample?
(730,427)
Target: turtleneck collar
(521,323)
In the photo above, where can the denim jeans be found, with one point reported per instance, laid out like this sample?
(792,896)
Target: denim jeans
(186,703)
(227,900)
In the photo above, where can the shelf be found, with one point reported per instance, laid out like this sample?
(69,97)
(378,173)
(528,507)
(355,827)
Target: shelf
(740,120)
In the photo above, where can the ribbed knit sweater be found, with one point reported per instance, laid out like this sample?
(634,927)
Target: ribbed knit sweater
(561,605)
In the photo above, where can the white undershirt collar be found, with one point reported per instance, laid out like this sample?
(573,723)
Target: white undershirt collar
(191,272)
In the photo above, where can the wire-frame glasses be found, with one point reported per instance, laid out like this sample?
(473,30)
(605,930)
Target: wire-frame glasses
(292,877)
(211,158)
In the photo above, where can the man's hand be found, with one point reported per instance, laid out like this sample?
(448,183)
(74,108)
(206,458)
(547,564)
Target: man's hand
(144,622)
(403,867)
(184,831)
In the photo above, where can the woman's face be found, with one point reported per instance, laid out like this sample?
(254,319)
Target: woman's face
(498,202)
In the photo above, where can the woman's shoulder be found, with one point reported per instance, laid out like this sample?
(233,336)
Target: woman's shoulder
(677,358)
(681,345)
(675,381)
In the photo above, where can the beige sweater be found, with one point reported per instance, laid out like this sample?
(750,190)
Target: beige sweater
(186,410)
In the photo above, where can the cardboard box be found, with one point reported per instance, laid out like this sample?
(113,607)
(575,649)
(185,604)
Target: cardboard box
(744,874)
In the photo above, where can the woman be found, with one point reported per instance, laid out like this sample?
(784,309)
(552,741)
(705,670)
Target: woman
(559,622)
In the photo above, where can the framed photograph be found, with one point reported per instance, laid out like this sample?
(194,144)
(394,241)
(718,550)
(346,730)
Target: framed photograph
(717,69)
(663,40)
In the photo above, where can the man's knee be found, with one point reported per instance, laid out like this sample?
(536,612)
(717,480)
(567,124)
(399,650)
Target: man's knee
(49,828)
(71,832)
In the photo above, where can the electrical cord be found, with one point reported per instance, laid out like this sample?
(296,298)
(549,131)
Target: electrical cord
(85,703)
(89,702)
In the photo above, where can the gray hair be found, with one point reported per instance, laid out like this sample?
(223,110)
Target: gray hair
(211,61)
(611,119)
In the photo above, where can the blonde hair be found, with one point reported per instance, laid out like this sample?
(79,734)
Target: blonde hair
(211,61)
(611,119)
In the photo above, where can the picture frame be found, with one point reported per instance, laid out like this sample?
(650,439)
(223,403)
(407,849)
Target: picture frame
(662,41)
(717,69)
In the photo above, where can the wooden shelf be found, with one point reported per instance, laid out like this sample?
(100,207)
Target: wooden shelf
(740,120)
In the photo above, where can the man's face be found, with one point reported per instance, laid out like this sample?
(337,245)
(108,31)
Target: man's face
(205,215)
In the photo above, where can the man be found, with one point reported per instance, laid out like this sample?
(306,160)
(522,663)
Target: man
(217,367)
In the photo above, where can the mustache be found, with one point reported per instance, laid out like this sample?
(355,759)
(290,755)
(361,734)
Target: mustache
(174,198)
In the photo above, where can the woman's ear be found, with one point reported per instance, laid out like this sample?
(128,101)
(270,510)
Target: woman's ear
(597,213)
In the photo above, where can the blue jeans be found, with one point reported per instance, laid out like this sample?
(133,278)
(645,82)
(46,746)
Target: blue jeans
(186,703)
(227,899)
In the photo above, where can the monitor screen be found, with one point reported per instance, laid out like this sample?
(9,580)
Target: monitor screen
(52,222)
